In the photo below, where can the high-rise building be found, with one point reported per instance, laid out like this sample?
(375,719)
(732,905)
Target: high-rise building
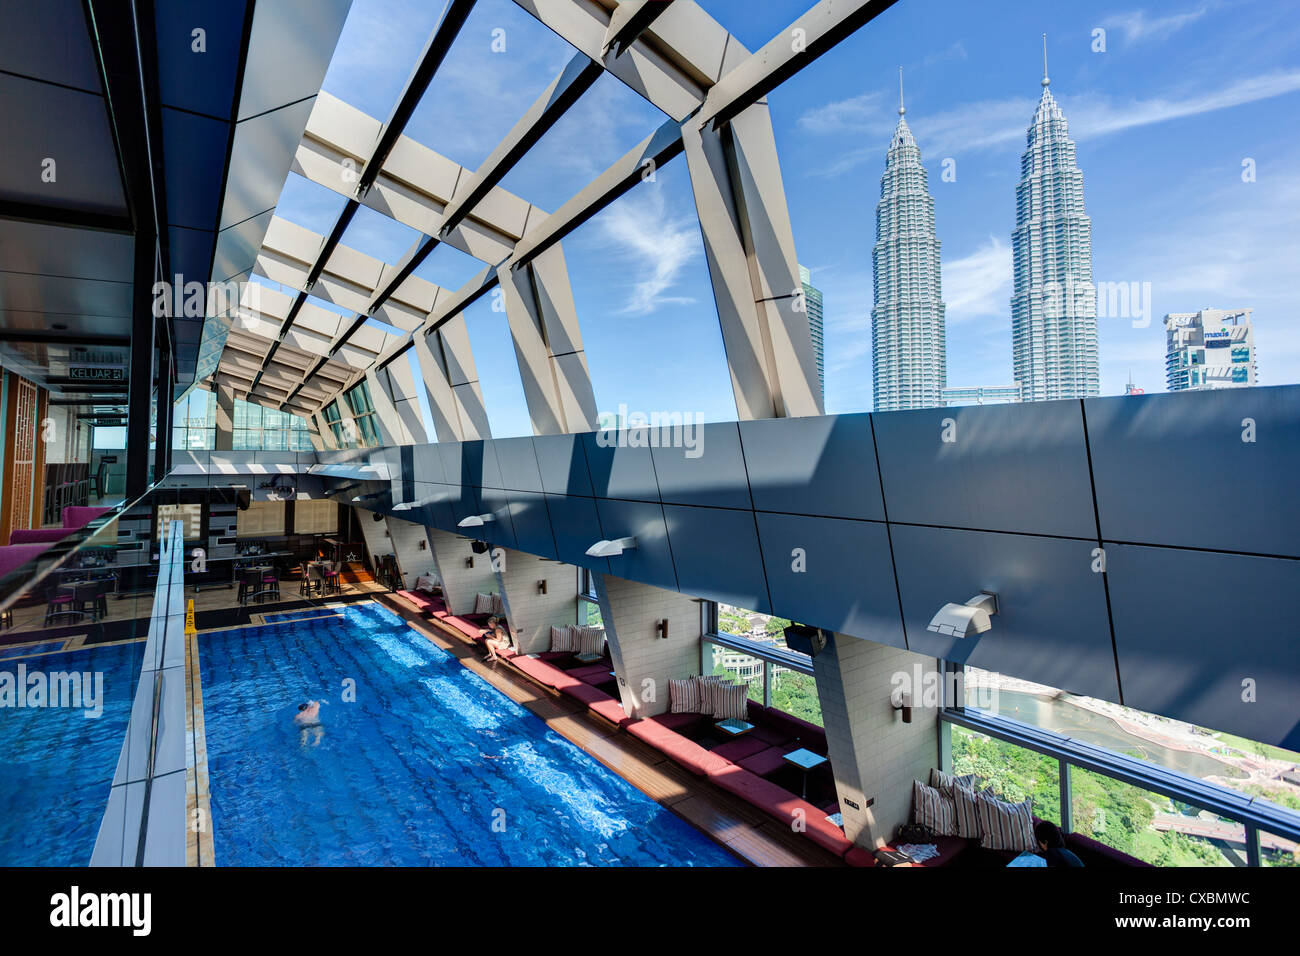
(813,301)
(909,356)
(1212,348)
(1054,302)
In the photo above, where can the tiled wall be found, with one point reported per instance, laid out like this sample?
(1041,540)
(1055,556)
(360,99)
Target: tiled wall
(460,583)
(529,612)
(405,538)
(642,659)
(874,754)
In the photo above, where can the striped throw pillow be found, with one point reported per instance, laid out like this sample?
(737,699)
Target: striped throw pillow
(708,688)
(498,606)
(944,782)
(731,701)
(1006,826)
(589,640)
(933,809)
(483,603)
(968,820)
(562,638)
(684,696)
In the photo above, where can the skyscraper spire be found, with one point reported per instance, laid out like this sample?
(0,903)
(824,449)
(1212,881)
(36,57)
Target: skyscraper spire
(909,358)
(1053,302)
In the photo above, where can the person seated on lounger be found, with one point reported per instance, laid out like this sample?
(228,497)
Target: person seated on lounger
(308,721)
(1052,843)
(497,640)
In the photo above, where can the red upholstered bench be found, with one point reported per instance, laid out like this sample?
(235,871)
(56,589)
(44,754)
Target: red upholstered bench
(766,762)
(686,752)
(544,673)
(859,857)
(468,628)
(782,805)
(591,673)
(738,748)
(422,603)
(611,710)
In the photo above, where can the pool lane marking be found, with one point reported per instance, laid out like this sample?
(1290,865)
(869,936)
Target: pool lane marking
(199,846)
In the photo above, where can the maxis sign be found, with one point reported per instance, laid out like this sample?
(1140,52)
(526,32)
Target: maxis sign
(93,373)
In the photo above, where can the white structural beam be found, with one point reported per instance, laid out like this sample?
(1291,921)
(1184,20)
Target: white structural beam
(451,380)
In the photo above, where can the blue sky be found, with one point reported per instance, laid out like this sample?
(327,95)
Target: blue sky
(1163,118)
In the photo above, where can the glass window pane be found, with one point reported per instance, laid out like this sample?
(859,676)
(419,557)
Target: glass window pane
(1151,827)
(739,667)
(1011,772)
(1278,851)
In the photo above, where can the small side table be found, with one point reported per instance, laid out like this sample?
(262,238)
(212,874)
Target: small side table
(733,727)
(805,760)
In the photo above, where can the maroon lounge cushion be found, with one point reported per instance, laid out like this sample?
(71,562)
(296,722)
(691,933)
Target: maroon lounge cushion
(764,763)
(16,555)
(949,848)
(1096,854)
(686,752)
(38,535)
(739,748)
(468,628)
(552,657)
(584,692)
(685,724)
(591,674)
(78,516)
(782,805)
(421,602)
(612,711)
(544,673)
(859,857)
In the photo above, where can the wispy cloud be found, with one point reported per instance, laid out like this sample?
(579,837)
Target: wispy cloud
(656,245)
(989,124)
(1137,25)
(978,285)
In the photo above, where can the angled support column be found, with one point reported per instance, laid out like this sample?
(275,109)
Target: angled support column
(412,559)
(530,612)
(224,395)
(451,380)
(395,404)
(749,244)
(874,755)
(548,344)
(644,661)
(461,581)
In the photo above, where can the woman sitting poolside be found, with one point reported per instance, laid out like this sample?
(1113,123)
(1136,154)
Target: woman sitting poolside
(497,640)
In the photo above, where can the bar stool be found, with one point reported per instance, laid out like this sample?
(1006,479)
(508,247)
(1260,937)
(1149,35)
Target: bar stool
(58,603)
(270,586)
(331,575)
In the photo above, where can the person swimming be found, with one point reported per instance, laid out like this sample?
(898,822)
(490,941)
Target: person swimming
(308,721)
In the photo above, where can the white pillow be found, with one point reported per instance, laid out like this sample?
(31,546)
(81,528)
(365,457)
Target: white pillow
(562,638)
(1006,826)
(730,701)
(933,809)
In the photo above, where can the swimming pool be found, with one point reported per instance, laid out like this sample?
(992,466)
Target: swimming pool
(427,764)
(57,764)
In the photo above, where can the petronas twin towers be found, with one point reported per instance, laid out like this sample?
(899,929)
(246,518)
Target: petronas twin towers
(1053,303)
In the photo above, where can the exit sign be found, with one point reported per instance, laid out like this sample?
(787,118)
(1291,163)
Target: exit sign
(91,373)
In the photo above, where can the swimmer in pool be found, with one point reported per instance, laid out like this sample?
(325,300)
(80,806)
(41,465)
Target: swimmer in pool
(308,721)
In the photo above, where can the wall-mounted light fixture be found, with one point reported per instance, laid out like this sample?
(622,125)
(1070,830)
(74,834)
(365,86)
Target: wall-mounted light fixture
(423,502)
(424,545)
(661,628)
(611,549)
(469,562)
(475,521)
(479,547)
(901,700)
(541,586)
(963,620)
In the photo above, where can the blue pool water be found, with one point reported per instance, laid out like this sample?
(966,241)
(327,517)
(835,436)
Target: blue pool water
(308,614)
(429,766)
(56,764)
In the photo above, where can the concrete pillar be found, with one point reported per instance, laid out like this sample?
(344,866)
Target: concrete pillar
(548,345)
(225,397)
(451,381)
(410,543)
(749,245)
(874,755)
(644,661)
(461,581)
(529,612)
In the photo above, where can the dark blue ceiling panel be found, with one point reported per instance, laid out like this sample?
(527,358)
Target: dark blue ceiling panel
(1052,625)
(202,81)
(50,40)
(190,250)
(562,464)
(518,464)
(1202,485)
(462,462)
(500,531)
(195,149)
(716,550)
(620,464)
(1164,601)
(576,527)
(651,561)
(822,465)
(428,464)
(995,468)
(832,573)
(532,523)
(701,465)
(491,473)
